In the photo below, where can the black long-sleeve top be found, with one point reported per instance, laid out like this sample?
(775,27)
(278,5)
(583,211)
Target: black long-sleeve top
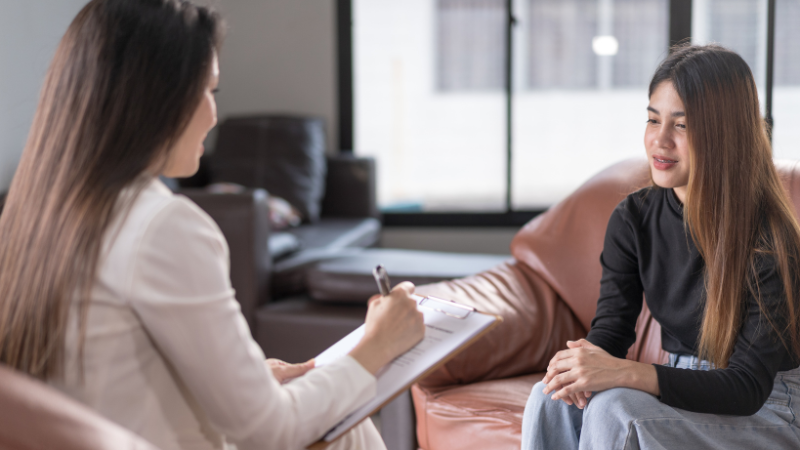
(648,251)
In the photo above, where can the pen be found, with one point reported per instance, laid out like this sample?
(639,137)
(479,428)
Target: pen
(382,278)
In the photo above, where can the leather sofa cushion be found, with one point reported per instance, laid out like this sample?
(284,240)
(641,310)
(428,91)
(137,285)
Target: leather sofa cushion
(350,189)
(337,233)
(350,279)
(474,416)
(536,324)
(284,155)
(327,239)
(564,244)
(282,243)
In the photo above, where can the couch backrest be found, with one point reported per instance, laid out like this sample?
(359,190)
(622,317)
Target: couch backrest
(283,154)
(564,244)
(34,416)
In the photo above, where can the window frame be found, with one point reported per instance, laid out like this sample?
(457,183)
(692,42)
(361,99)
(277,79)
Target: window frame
(680,27)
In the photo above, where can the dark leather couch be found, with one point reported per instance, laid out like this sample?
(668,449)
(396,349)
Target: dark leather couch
(283,156)
(259,276)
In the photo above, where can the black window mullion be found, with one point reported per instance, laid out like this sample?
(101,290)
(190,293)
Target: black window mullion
(344,50)
(770,65)
(680,21)
(509,85)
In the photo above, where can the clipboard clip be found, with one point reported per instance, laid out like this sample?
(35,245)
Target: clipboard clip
(447,307)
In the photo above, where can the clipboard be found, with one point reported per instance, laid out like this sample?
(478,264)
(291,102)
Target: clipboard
(432,307)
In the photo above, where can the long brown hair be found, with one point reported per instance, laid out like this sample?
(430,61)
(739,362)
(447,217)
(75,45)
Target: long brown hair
(736,207)
(123,85)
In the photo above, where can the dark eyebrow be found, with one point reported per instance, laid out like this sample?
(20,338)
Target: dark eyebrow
(675,114)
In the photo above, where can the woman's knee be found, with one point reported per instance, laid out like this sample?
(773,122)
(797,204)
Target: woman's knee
(549,423)
(537,397)
(535,404)
(540,405)
(618,405)
(539,401)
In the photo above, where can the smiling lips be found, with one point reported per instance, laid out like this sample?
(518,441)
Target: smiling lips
(661,163)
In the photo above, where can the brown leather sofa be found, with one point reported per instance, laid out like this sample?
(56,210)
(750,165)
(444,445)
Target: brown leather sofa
(34,416)
(546,295)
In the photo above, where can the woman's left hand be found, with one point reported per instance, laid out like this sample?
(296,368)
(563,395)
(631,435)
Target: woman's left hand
(285,372)
(584,367)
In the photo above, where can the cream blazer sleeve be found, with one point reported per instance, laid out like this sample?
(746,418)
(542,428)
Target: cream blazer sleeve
(180,289)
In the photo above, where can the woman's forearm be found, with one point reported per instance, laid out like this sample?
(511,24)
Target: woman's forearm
(371,356)
(641,376)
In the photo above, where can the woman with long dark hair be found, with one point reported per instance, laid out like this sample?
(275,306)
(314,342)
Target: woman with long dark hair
(118,292)
(714,246)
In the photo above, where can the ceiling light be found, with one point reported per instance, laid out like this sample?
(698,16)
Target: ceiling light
(605,45)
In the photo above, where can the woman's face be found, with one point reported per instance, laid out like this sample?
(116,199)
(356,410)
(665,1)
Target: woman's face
(666,141)
(184,160)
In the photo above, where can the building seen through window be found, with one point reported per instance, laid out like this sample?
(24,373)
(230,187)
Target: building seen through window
(786,94)
(580,92)
(429,87)
(741,25)
(470,38)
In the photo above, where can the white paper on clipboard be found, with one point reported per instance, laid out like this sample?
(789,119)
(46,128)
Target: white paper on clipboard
(447,327)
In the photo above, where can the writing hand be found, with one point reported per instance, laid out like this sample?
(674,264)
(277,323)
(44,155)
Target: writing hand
(393,325)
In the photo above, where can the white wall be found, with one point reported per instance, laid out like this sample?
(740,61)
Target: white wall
(279,56)
(29,33)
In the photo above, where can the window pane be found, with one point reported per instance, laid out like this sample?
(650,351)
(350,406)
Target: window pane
(429,103)
(560,42)
(786,92)
(466,59)
(642,31)
(568,126)
(740,25)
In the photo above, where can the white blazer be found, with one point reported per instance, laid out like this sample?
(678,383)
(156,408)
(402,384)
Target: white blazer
(168,353)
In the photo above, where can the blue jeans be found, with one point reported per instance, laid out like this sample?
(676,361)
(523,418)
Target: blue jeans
(628,419)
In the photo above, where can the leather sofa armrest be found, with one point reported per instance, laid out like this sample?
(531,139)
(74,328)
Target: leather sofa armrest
(536,324)
(244,221)
(350,187)
(36,416)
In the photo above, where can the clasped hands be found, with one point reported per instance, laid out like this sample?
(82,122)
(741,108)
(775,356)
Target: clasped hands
(573,374)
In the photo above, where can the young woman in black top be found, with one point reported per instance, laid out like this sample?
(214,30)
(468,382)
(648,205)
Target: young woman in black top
(714,247)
